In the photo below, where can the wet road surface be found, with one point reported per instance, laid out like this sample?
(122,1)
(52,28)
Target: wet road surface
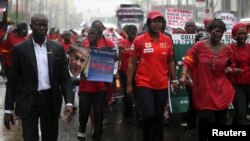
(115,128)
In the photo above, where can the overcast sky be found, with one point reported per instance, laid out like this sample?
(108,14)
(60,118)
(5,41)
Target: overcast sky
(99,7)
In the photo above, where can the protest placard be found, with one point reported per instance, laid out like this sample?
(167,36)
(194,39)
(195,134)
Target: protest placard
(177,18)
(101,65)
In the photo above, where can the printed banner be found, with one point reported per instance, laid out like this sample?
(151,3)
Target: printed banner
(111,34)
(101,65)
(229,19)
(177,18)
(182,42)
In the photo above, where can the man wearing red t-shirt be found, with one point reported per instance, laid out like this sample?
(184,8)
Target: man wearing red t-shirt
(18,35)
(67,41)
(54,35)
(92,93)
(125,52)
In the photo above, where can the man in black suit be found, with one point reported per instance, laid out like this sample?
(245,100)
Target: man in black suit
(39,77)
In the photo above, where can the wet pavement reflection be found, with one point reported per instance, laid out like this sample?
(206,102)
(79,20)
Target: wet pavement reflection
(115,127)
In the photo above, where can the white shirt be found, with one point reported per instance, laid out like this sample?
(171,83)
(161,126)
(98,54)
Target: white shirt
(77,77)
(75,88)
(42,66)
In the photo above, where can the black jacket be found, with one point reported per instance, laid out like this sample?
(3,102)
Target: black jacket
(23,80)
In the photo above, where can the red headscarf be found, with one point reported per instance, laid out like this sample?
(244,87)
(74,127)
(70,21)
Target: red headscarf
(236,27)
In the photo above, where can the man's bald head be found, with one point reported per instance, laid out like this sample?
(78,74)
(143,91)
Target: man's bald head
(39,27)
(38,16)
(190,27)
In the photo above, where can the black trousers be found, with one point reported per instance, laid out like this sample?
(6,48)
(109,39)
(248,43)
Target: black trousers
(240,103)
(86,101)
(208,118)
(191,113)
(128,100)
(42,111)
(151,103)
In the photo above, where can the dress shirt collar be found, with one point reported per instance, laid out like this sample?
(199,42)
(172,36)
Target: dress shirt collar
(43,44)
(71,75)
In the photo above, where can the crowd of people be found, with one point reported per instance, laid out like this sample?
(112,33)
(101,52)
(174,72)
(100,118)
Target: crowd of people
(44,68)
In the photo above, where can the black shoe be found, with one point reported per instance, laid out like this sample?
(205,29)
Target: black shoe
(166,122)
(81,138)
(248,117)
(74,110)
(128,113)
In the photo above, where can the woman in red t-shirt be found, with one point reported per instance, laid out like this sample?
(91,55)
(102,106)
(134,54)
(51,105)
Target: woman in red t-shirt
(212,91)
(151,63)
(241,80)
(92,93)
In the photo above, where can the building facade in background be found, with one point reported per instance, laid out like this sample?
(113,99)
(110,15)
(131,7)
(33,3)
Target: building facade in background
(59,12)
(207,8)
(71,13)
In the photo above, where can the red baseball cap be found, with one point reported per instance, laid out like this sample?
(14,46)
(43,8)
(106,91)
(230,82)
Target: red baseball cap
(154,14)
(207,20)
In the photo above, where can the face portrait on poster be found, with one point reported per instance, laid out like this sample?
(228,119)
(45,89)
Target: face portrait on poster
(78,60)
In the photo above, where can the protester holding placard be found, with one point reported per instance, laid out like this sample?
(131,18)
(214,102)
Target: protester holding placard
(241,80)
(112,35)
(151,63)
(212,91)
(92,93)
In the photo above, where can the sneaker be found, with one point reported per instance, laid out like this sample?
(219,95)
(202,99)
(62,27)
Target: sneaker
(183,124)
(81,136)
(74,111)
(105,121)
(166,122)
(248,117)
